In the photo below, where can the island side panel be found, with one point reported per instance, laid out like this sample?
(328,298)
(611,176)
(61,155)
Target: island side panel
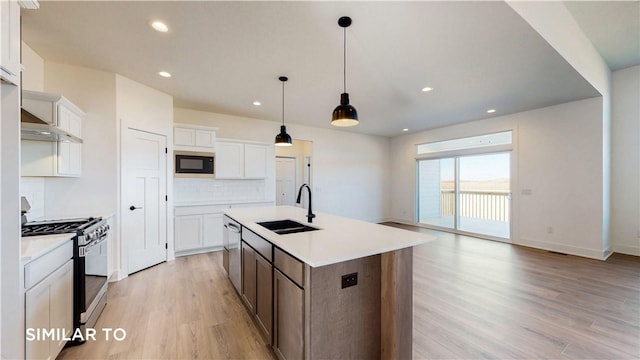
(345,323)
(397,304)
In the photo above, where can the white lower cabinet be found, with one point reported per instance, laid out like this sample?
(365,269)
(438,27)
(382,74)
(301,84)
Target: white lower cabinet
(49,306)
(198,229)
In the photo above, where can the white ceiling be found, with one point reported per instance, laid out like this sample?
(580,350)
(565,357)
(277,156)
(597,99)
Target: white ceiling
(225,55)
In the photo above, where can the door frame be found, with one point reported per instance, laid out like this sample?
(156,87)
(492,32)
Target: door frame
(120,246)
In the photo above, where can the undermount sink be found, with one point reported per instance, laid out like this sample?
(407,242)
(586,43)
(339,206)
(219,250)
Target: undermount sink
(283,227)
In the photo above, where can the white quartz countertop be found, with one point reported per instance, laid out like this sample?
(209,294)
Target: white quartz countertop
(35,246)
(339,239)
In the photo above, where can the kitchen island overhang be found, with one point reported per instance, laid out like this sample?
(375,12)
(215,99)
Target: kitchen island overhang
(358,284)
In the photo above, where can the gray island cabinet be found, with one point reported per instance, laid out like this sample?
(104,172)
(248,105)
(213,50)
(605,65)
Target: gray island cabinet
(343,290)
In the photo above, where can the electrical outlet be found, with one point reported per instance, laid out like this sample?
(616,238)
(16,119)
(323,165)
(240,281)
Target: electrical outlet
(349,280)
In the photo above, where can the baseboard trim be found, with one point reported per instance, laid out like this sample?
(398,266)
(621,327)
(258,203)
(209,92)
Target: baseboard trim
(198,251)
(565,249)
(627,249)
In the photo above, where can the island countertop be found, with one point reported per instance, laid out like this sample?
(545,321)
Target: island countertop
(339,239)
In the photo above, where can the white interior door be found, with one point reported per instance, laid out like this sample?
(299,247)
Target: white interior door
(285,181)
(144,215)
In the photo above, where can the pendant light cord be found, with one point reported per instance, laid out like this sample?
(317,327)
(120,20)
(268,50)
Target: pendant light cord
(344,64)
(283,103)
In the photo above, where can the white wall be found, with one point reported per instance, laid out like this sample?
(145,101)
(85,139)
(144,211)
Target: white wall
(350,171)
(557,155)
(626,161)
(553,21)
(33,73)
(92,91)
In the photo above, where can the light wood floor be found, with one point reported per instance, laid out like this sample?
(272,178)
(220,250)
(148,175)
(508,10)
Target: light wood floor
(472,299)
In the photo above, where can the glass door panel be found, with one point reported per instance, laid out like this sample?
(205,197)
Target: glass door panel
(484,194)
(436,192)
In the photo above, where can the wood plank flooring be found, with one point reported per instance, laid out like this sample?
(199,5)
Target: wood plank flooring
(473,299)
(183,309)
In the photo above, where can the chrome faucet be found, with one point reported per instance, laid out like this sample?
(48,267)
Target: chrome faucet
(310,215)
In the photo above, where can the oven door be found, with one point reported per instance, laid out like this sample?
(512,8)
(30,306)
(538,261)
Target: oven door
(93,263)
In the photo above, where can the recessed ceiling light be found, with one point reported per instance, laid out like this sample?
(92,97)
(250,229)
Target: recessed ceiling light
(45,133)
(490,111)
(164,74)
(160,26)
(257,103)
(405,129)
(426,89)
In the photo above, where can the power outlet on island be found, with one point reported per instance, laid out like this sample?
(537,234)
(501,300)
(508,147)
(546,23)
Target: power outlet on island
(349,280)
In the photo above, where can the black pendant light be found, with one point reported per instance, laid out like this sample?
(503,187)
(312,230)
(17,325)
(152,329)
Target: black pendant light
(344,114)
(283,139)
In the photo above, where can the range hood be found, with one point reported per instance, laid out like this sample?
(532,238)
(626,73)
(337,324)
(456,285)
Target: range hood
(32,128)
(39,117)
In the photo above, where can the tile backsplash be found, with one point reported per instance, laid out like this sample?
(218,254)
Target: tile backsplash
(188,190)
(33,189)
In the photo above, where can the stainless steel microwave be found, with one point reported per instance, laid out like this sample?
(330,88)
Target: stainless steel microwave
(194,164)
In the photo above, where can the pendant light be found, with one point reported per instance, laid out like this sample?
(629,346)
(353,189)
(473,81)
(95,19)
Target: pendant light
(283,139)
(344,114)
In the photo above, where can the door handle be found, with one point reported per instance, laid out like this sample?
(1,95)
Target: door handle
(133,207)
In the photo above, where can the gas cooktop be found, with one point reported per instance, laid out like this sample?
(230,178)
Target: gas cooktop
(62,226)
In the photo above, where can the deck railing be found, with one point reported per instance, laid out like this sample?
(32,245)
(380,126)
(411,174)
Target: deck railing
(487,205)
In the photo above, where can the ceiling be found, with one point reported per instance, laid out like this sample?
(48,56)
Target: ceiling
(225,55)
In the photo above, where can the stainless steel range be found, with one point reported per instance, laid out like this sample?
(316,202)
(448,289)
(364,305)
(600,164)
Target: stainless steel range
(89,264)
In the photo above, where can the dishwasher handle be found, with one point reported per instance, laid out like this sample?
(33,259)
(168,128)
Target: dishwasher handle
(232,227)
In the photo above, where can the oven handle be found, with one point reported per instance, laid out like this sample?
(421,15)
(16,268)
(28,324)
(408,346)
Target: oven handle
(84,250)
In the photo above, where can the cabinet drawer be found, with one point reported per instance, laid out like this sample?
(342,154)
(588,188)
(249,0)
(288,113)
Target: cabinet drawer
(40,268)
(289,266)
(259,244)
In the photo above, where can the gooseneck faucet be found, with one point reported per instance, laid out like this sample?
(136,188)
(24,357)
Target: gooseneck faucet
(310,214)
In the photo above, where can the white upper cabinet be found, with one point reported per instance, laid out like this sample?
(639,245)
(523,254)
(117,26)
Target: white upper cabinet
(10,41)
(255,161)
(229,160)
(194,138)
(241,160)
(40,158)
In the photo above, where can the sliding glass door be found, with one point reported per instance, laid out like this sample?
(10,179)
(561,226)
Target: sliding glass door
(470,194)
(436,192)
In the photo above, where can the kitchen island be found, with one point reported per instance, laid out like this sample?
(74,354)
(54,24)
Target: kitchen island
(341,290)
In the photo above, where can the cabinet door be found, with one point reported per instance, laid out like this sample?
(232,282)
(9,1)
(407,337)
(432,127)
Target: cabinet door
(288,329)
(37,316)
(188,232)
(212,230)
(249,276)
(184,136)
(49,305)
(229,160)
(69,159)
(264,298)
(61,304)
(69,121)
(255,161)
(205,138)
(10,40)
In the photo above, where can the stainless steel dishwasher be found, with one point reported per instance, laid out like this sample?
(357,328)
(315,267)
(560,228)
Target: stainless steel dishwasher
(231,241)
